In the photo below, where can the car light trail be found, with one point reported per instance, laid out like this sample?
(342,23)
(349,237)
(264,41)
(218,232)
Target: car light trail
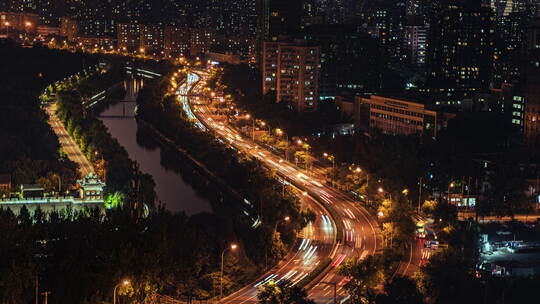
(266,280)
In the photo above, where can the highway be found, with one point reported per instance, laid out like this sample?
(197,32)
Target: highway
(360,234)
(70,147)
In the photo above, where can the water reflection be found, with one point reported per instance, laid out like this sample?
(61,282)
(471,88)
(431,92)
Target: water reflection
(171,188)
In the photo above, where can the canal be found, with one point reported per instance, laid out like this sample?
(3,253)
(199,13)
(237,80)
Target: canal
(171,187)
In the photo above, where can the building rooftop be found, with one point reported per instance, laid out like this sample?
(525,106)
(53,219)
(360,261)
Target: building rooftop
(31,187)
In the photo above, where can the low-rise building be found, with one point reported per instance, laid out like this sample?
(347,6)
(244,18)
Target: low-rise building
(91,188)
(48,30)
(32,190)
(397,116)
(224,57)
(345,105)
(5,182)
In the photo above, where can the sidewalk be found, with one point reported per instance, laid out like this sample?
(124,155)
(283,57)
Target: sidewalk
(68,144)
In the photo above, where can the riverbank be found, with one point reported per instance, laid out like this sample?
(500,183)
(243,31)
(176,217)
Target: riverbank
(220,186)
(120,173)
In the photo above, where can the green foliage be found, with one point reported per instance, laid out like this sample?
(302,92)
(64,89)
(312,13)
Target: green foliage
(282,293)
(401,290)
(243,84)
(245,175)
(114,200)
(81,256)
(93,137)
(365,275)
(447,279)
(29,149)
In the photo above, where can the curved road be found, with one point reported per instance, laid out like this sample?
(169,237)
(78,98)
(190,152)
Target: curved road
(360,234)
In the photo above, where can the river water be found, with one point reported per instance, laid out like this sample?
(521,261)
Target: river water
(171,188)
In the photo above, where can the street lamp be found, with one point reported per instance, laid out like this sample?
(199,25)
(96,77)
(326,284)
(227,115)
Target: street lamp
(26,26)
(232,248)
(387,195)
(305,146)
(264,124)
(451,185)
(332,159)
(285,219)
(123,283)
(280,133)
(59,184)
(253,129)
(7,24)
(359,170)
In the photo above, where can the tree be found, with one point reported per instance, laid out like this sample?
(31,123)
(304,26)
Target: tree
(448,279)
(364,276)
(282,293)
(400,290)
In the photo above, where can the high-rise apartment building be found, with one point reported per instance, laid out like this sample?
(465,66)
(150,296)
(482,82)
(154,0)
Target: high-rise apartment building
(461,47)
(201,39)
(416,43)
(386,21)
(279,18)
(176,40)
(532,33)
(47,10)
(69,28)
(415,7)
(531,94)
(350,59)
(291,70)
(151,39)
(509,48)
(502,7)
(129,36)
